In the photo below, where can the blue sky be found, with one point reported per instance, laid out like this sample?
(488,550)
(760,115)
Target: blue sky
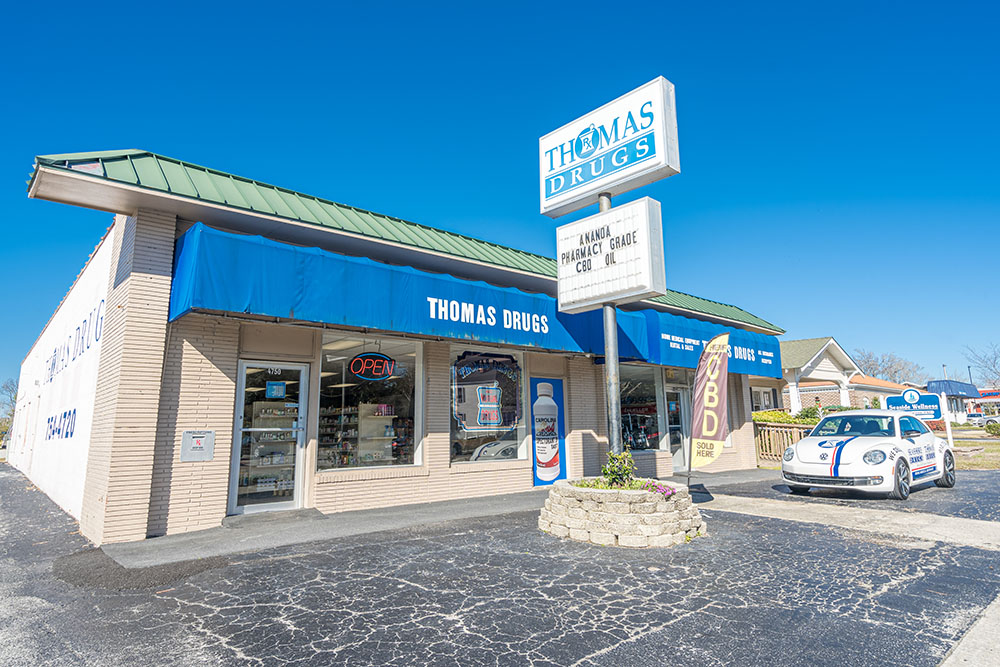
(836,156)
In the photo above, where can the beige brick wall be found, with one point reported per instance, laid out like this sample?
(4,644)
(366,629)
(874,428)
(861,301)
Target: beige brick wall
(587,435)
(120,464)
(826,397)
(858,397)
(198,392)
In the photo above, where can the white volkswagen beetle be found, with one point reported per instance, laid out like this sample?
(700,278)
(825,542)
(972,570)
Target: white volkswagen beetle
(877,451)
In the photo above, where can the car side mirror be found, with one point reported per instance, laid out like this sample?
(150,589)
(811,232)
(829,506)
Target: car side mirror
(909,433)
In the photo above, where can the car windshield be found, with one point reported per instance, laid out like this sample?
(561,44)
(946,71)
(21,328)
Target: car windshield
(856,425)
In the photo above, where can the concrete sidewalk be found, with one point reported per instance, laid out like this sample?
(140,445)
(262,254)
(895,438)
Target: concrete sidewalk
(264,530)
(710,480)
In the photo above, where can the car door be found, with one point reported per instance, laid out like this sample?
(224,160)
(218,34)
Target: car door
(919,442)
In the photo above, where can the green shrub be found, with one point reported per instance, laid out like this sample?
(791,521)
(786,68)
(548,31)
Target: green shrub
(876,403)
(637,484)
(619,471)
(837,408)
(993,429)
(963,427)
(779,417)
(812,412)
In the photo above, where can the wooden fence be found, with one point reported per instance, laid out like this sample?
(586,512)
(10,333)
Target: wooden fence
(773,439)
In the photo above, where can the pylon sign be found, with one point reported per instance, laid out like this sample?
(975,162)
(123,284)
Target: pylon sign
(627,143)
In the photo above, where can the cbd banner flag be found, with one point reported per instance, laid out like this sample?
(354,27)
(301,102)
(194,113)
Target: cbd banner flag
(711,423)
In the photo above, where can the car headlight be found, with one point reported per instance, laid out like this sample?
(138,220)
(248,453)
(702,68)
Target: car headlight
(874,457)
(789,454)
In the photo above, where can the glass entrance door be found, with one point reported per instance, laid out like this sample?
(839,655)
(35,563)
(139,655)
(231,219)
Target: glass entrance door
(270,430)
(677,430)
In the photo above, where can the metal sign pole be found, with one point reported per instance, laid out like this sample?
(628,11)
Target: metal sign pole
(611,377)
(945,416)
(690,446)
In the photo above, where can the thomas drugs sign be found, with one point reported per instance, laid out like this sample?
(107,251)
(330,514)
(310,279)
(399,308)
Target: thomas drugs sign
(627,143)
(612,257)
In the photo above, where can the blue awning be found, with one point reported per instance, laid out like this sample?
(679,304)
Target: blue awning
(953,388)
(220,271)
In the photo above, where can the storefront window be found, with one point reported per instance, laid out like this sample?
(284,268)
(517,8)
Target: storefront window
(366,404)
(487,422)
(640,412)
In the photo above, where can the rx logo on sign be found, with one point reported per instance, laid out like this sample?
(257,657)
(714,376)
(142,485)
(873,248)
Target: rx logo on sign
(586,142)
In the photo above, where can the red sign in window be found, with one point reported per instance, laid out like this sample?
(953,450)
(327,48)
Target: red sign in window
(489,406)
(372,366)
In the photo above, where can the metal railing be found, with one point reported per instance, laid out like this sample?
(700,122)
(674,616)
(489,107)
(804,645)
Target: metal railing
(773,439)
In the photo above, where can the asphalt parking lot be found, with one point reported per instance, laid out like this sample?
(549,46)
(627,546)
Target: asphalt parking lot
(490,591)
(976,495)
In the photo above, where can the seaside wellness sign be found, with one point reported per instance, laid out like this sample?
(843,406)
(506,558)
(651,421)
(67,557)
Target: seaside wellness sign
(627,143)
(612,257)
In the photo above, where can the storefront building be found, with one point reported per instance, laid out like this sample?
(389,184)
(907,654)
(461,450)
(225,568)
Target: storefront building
(988,402)
(233,347)
(956,394)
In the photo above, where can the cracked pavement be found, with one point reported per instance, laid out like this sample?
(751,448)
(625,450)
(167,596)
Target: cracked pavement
(976,495)
(490,591)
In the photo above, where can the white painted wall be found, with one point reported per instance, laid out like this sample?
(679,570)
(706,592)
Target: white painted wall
(55,399)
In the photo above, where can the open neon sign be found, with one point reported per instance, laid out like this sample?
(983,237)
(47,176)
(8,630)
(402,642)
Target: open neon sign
(372,366)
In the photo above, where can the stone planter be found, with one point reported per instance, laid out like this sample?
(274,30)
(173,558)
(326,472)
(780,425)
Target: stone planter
(620,518)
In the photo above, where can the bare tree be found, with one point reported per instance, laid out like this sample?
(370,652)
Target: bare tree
(888,366)
(8,398)
(986,361)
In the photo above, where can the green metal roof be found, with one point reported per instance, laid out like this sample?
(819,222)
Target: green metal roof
(157,172)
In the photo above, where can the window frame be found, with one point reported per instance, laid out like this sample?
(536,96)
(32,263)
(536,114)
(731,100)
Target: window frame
(419,403)
(524,439)
(663,438)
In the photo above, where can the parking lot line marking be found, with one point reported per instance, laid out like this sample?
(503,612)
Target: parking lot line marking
(935,527)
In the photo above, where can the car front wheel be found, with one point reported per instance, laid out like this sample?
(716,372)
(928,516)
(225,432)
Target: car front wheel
(947,479)
(900,481)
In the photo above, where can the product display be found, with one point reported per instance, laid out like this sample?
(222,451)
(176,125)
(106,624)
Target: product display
(366,418)
(640,418)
